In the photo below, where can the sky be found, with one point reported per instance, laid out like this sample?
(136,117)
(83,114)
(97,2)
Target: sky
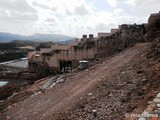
(72,17)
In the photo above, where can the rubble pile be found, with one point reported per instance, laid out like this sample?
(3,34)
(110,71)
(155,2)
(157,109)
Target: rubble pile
(50,84)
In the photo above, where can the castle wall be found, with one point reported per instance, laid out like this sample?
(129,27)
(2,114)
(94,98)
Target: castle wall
(90,47)
(124,37)
(101,34)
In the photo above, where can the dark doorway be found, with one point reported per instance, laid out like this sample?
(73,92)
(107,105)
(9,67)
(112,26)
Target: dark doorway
(65,66)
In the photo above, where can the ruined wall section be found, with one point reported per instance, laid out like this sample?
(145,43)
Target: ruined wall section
(51,57)
(124,37)
(154,18)
(153,27)
(153,35)
(87,48)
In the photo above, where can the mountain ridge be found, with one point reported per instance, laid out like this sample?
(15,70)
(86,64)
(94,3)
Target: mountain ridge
(8,37)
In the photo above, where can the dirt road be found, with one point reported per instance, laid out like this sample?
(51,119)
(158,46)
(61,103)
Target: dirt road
(42,106)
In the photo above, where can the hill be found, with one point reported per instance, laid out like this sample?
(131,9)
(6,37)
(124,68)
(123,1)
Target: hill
(8,37)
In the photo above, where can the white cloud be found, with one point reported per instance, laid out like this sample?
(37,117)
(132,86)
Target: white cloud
(16,5)
(81,10)
(113,3)
(72,17)
(131,2)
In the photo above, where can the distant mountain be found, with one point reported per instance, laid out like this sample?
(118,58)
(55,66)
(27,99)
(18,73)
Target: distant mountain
(8,37)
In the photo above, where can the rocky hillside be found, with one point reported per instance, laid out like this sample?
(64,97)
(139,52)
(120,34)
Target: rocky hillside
(127,93)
